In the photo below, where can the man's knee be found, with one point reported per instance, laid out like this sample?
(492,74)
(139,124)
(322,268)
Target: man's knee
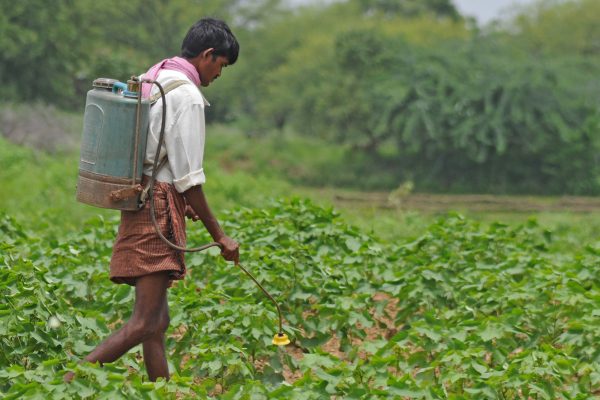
(163,323)
(146,328)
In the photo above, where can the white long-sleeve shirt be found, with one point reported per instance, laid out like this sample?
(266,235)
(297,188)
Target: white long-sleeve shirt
(184,133)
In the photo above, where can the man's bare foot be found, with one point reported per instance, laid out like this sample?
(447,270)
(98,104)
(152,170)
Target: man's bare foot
(69,377)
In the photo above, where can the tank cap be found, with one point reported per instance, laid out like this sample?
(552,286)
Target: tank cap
(104,83)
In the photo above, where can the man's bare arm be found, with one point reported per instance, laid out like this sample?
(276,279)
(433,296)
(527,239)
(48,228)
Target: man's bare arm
(197,201)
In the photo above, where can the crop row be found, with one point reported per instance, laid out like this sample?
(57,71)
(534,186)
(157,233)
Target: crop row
(463,311)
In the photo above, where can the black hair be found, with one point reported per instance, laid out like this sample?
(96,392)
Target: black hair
(207,33)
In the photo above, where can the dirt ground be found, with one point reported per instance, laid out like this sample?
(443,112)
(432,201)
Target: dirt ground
(384,329)
(443,202)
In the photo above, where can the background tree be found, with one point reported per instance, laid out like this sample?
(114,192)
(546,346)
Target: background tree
(410,8)
(409,89)
(40,49)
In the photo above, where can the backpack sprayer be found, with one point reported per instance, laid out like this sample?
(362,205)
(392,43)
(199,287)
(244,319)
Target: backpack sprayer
(113,146)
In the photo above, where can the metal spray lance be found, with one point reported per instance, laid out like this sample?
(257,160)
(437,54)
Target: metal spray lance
(280,338)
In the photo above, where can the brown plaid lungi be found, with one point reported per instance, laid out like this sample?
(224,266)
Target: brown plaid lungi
(138,249)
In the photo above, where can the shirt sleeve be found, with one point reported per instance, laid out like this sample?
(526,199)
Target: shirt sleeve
(185,147)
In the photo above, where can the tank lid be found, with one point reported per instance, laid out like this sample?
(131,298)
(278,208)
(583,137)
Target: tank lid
(104,83)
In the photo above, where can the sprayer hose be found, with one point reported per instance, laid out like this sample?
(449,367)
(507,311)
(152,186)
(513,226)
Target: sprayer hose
(153,213)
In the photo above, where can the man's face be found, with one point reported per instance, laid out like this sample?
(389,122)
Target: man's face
(209,68)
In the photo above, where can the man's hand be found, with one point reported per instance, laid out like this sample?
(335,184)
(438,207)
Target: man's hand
(230,250)
(197,209)
(191,214)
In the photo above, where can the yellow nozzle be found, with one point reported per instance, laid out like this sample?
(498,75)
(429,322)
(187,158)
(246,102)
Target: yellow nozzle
(281,339)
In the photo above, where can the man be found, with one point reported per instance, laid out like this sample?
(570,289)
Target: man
(140,258)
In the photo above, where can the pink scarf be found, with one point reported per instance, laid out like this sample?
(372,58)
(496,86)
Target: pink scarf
(174,64)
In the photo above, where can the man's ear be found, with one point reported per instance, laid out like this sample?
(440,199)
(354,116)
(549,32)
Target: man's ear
(208,52)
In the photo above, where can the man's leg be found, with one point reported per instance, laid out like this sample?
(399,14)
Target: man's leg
(147,321)
(154,349)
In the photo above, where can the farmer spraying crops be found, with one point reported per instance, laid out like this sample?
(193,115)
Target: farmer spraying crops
(140,257)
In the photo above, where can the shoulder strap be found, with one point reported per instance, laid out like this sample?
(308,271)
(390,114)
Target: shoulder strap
(153,99)
(167,88)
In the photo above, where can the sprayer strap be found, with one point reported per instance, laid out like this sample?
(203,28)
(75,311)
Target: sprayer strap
(153,99)
(144,193)
(168,87)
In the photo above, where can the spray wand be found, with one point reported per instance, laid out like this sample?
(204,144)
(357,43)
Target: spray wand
(280,338)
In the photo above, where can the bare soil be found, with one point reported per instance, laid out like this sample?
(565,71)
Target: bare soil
(384,328)
(445,202)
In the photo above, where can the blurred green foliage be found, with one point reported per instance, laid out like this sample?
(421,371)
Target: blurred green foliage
(409,90)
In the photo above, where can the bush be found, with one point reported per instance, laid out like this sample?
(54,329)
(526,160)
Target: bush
(40,126)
